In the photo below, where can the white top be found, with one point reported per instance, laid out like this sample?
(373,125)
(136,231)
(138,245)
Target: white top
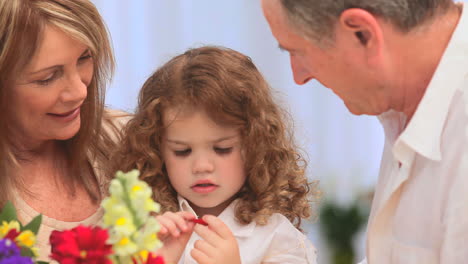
(420,211)
(27,213)
(277,242)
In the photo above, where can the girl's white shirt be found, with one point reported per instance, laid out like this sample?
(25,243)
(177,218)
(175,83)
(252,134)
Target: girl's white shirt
(276,242)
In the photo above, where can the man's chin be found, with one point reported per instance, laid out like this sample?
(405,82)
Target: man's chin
(357,110)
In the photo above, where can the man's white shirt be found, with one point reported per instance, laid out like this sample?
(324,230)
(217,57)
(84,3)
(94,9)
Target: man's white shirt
(420,210)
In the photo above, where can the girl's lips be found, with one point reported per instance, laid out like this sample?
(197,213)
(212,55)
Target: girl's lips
(66,117)
(204,188)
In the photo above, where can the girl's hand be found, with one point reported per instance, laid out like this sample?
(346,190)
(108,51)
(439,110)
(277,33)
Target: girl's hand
(175,232)
(218,245)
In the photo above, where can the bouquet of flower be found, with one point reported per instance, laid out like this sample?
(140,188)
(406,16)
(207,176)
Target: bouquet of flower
(17,241)
(127,235)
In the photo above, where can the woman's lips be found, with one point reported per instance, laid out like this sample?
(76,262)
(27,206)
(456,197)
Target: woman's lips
(66,117)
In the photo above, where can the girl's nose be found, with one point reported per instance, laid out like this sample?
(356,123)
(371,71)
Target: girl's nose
(203,164)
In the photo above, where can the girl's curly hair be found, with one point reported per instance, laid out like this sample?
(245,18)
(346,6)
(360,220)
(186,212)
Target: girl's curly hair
(228,86)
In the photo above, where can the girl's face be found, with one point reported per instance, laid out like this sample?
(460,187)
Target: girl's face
(49,93)
(204,160)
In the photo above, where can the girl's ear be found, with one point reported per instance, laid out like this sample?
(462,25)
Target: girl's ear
(360,29)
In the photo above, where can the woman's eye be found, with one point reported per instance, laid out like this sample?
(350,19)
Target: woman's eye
(223,150)
(84,58)
(47,80)
(182,153)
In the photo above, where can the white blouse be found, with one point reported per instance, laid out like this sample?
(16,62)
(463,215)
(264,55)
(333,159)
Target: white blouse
(27,213)
(276,242)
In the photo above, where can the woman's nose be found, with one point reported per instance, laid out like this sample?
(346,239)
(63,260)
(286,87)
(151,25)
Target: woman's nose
(76,88)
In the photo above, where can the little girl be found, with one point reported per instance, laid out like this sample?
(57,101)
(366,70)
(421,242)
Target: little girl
(208,137)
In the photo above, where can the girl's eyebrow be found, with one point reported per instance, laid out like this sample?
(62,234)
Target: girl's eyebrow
(176,142)
(180,142)
(224,138)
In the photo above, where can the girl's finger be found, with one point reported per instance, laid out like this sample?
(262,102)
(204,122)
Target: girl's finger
(199,256)
(204,247)
(208,235)
(218,226)
(178,220)
(169,224)
(187,215)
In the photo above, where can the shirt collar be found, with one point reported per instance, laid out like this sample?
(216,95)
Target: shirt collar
(423,133)
(227,216)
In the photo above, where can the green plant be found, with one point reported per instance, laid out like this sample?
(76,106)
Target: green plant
(339,225)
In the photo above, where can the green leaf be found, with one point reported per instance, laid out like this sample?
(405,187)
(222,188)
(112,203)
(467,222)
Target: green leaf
(34,224)
(27,252)
(41,262)
(8,213)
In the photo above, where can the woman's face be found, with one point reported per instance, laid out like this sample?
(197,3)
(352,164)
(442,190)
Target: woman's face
(48,95)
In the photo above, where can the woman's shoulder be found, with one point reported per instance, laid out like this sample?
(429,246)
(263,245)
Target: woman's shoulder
(113,121)
(118,118)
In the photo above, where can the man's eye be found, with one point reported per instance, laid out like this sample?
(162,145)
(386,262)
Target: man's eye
(223,150)
(182,153)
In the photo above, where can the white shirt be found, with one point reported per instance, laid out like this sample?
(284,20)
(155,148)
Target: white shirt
(276,242)
(420,210)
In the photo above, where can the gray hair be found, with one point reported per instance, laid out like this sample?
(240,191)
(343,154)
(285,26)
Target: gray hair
(315,19)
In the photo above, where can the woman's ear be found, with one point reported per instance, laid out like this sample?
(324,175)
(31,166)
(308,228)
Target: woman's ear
(361,29)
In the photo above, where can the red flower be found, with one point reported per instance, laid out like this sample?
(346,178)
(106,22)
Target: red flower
(81,245)
(12,234)
(153,259)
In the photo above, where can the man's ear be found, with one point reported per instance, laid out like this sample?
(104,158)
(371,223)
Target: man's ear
(361,28)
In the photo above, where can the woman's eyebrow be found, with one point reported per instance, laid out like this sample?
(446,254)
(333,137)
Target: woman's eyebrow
(55,66)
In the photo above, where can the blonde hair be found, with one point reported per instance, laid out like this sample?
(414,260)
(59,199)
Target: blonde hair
(228,86)
(21,26)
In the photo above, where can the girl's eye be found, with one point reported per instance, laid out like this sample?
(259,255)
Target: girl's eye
(223,150)
(48,80)
(182,153)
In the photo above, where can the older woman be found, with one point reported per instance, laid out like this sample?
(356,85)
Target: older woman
(55,135)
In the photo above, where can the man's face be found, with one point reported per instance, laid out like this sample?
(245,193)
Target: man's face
(340,67)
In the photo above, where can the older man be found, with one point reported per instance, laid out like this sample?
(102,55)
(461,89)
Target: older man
(407,62)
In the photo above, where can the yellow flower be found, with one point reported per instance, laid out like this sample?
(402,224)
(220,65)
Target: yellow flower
(26,238)
(125,247)
(7,226)
(147,238)
(127,215)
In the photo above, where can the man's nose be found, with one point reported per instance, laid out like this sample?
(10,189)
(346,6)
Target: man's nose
(300,72)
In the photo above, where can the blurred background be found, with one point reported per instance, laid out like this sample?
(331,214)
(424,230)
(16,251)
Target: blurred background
(343,150)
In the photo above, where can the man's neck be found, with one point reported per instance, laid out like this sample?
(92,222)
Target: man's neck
(417,55)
